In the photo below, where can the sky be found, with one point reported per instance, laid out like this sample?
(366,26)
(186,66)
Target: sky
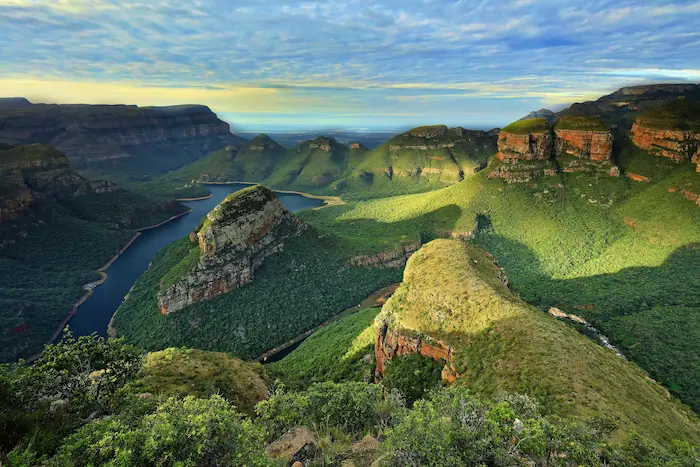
(351,64)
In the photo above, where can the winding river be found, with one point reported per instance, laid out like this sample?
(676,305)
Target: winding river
(95,313)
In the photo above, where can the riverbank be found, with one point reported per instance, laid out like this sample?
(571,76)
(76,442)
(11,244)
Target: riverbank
(200,198)
(90,286)
(377,299)
(328,201)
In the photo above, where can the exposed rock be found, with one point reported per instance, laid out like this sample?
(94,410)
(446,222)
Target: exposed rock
(391,343)
(395,258)
(593,145)
(367,444)
(92,134)
(529,146)
(637,177)
(234,240)
(296,445)
(529,149)
(677,145)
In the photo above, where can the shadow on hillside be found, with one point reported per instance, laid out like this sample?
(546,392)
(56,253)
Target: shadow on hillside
(427,227)
(652,314)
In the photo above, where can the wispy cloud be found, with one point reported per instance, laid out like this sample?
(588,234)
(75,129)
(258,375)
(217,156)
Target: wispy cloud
(344,59)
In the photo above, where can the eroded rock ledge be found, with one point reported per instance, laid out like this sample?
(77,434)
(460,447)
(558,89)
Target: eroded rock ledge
(530,148)
(233,241)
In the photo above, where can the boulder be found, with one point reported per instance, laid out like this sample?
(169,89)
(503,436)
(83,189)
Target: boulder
(296,445)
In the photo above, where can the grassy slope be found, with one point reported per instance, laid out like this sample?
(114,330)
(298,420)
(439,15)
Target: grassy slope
(356,173)
(341,351)
(190,372)
(580,123)
(452,291)
(564,241)
(530,125)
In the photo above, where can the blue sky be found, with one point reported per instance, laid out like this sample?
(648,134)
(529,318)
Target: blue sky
(271,64)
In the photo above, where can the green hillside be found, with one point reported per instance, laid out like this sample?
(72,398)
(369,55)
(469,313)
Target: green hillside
(571,241)
(253,161)
(418,160)
(341,351)
(190,372)
(455,293)
(681,114)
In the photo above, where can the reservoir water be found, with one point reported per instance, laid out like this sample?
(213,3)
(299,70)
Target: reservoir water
(95,313)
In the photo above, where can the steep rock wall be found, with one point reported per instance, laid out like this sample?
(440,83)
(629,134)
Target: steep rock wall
(391,343)
(395,258)
(234,240)
(524,147)
(593,145)
(91,134)
(34,173)
(678,145)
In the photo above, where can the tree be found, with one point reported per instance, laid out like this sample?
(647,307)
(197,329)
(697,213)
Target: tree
(186,432)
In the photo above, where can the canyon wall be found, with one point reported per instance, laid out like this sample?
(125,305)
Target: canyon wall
(678,145)
(96,134)
(394,258)
(35,173)
(232,242)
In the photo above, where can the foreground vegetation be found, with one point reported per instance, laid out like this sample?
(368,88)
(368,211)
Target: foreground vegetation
(84,403)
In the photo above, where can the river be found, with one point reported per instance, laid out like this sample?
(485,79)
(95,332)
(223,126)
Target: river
(95,313)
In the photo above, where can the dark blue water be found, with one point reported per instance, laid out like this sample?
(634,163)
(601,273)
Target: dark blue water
(95,313)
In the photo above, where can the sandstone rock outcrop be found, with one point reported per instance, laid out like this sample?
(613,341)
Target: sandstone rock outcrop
(592,145)
(394,258)
(529,149)
(233,241)
(671,131)
(391,343)
(94,134)
(678,145)
(524,147)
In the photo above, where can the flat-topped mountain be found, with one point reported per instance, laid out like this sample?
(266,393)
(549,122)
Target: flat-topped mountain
(454,306)
(117,138)
(232,241)
(531,148)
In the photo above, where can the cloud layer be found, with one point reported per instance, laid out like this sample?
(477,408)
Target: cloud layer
(344,63)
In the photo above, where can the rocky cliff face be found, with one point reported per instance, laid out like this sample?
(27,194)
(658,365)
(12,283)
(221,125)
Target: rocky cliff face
(671,130)
(524,147)
(394,258)
(391,343)
(95,134)
(233,241)
(35,173)
(530,149)
(591,145)
(678,145)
